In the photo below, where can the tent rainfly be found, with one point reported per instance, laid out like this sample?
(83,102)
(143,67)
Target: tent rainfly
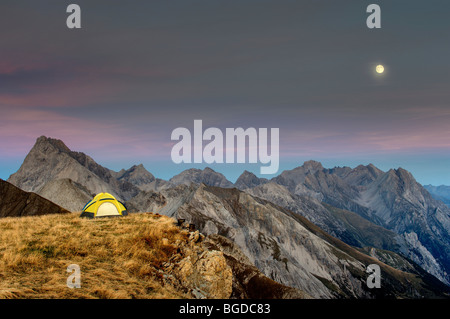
(104,205)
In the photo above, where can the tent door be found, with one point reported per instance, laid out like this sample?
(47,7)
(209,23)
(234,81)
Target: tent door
(107,209)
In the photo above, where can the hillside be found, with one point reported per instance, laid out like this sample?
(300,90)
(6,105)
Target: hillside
(284,245)
(139,256)
(15,202)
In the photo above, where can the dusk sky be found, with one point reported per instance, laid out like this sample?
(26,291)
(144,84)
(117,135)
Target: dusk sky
(137,70)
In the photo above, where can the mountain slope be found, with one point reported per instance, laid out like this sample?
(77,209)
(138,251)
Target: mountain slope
(404,206)
(14,202)
(392,200)
(66,193)
(366,233)
(285,246)
(345,225)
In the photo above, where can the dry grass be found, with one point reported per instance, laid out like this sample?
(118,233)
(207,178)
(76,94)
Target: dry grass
(118,257)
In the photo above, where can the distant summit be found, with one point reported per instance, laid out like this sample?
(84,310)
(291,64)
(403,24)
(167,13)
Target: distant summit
(50,159)
(312,166)
(441,193)
(206,176)
(136,175)
(249,180)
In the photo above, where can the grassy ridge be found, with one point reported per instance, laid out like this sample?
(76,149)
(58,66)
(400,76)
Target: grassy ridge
(118,257)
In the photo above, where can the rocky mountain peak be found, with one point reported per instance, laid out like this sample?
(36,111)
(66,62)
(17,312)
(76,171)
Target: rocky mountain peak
(43,143)
(136,175)
(249,180)
(139,169)
(50,159)
(361,175)
(405,175)
(400,175)
(375,171)
(246,175)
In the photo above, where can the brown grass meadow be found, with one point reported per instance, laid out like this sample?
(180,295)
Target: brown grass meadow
(118,257)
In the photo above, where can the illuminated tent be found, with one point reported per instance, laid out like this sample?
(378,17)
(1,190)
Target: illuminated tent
(104,205)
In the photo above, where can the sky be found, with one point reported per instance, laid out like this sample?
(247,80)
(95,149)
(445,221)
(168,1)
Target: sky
(136,70)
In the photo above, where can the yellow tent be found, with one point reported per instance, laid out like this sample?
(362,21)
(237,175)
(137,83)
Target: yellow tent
(104,205)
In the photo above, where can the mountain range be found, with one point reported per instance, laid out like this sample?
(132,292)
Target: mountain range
(284,245)
(311,228)
(393,200)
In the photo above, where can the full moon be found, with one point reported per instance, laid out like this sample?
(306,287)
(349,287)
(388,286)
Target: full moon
(380,69)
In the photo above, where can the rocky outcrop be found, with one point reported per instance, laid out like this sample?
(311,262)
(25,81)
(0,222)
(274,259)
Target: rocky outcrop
(214,267)
(359,176)
(248,281)
(14,202)
(206,274)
